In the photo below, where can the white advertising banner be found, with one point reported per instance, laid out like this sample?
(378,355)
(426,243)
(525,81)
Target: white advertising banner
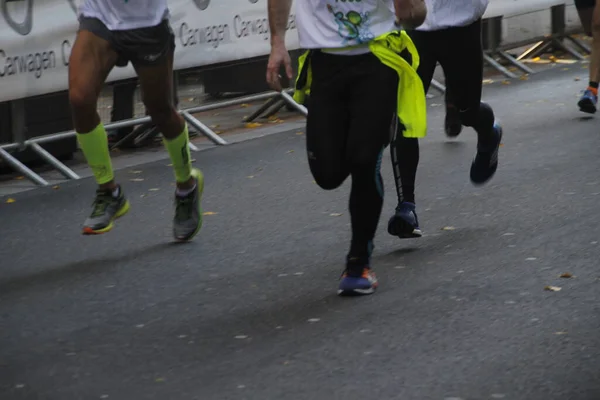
(36,37)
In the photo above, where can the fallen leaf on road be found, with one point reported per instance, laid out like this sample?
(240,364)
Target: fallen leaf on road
(159,380)
(289,151)
(244,105)
(335,215)
(135,172)
(552,289)
(10,200)
(524,77)
(566,62)
(214,126)
(577,79)
(448,228)
(487,81)
(19,178)
(299,133)
(566,275)
(251,125)
(55,187)
(314,320)
(560,333)
(137,180)
(209,213)
(506,82)
(251,177)
(154,189)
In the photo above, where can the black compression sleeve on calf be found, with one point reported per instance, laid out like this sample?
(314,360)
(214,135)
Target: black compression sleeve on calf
(405,160)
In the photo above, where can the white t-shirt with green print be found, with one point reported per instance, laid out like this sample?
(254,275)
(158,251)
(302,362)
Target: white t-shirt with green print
(120,15)
(334,24)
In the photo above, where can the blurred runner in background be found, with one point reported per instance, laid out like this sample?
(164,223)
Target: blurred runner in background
(451,35)
(590,19)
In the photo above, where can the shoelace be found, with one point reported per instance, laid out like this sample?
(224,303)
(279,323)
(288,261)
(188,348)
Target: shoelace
(100,205)
(183,208)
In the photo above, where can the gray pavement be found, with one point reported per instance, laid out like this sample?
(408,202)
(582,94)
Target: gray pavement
(248,310)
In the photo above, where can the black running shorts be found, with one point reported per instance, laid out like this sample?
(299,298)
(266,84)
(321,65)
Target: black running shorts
(584,4)
(143,46)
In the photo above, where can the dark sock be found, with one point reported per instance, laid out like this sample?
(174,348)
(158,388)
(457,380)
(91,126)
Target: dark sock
(484,124)
(405,160)
(366,201)
(593,85)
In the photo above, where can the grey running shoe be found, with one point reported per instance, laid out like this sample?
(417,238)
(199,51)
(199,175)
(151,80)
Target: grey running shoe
(188,211)
(106,209)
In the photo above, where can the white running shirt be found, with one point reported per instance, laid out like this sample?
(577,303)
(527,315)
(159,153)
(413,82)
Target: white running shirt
(120,15)
(335,24)
(442,14)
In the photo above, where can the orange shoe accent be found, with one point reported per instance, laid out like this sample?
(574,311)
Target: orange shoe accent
(593,90)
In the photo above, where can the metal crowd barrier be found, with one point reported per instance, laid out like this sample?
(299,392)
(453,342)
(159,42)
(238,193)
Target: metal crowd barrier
(35,143)
(493,18)
(500,9)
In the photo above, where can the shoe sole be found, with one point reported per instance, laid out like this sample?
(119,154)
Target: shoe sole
(356,292)
(587,106)
(403,230)
(199,176)
(122,211)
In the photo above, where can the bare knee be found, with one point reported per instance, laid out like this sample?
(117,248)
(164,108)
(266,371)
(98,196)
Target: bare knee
(83,102)
(82,98)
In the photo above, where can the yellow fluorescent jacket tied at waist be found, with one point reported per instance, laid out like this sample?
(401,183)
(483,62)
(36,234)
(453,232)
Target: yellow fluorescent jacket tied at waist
(412,109)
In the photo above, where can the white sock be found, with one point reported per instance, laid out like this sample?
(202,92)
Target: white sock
(115,193)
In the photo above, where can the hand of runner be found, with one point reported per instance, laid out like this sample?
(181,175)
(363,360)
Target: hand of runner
(410,13)
(279,55)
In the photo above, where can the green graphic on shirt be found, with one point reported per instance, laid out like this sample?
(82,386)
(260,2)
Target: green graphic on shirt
(352,26)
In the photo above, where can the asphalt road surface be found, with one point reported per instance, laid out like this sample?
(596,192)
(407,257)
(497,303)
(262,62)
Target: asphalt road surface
(248,310)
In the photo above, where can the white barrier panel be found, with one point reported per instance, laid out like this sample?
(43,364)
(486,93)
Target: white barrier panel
(36,38)
(511,8)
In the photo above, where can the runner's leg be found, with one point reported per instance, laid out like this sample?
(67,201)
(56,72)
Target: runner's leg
(463,67)
(405,151)
(585,9)
(589,100)
(91,60)
(153,61)
(372,104)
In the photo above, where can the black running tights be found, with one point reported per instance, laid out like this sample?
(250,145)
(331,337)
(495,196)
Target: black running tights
(459,52)
(352,107)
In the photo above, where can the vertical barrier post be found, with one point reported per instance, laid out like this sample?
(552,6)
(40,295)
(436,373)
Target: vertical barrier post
(559,28)
(492,35)
(17,118)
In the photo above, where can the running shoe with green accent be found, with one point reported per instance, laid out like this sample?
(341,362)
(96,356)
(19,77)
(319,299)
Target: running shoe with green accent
(106,209)
(188,210)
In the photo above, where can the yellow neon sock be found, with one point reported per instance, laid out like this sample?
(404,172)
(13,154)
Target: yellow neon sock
(179,151)
(95,149)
